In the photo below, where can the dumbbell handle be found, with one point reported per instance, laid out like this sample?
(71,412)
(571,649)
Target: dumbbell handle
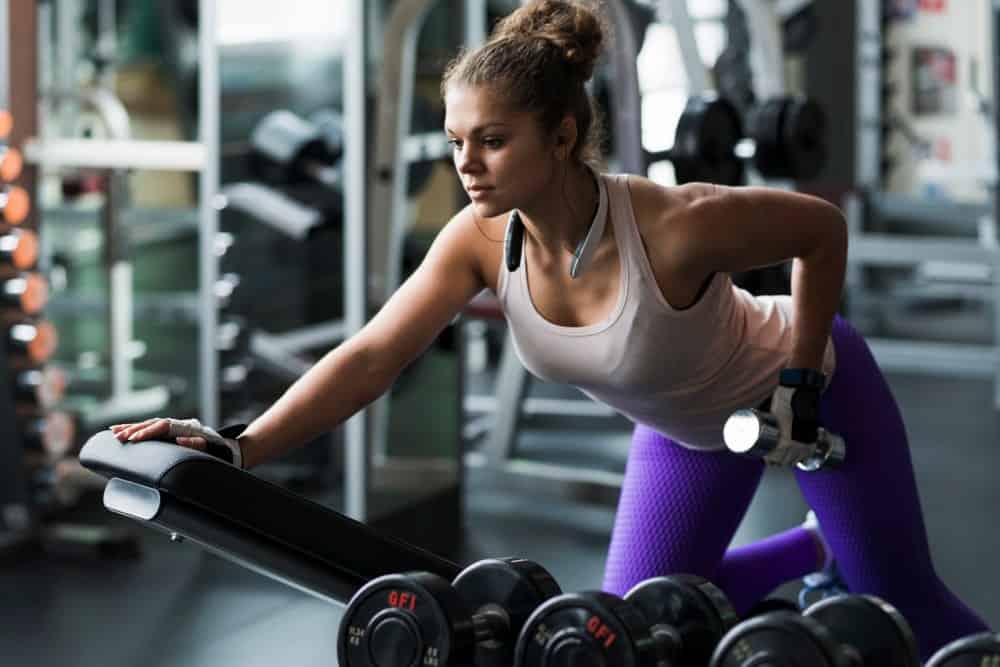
(745,149)
(491,624)
(757,433)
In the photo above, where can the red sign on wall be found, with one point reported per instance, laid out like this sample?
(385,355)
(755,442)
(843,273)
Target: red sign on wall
(937,6)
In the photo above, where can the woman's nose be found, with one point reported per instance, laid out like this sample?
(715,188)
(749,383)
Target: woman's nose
(465,160)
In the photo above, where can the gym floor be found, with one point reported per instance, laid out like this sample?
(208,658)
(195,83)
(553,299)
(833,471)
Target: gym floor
(178,605)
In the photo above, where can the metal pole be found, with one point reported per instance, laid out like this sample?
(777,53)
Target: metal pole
(356,459)
(4,57)
(697,73)
(868,145)
(475,22)
(766,61)
(625,89)
(208,135)
(996,199)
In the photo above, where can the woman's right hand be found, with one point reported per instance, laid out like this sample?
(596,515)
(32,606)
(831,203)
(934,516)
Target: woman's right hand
(157,428)
(185,432)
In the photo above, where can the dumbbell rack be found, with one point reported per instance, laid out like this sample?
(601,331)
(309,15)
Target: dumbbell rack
(15,512)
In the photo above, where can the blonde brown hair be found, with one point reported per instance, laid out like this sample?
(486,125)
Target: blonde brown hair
(539,58)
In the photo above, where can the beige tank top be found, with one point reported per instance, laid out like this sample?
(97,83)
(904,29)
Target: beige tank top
(680,372)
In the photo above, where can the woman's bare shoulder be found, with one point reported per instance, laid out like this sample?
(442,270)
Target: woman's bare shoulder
(481,238)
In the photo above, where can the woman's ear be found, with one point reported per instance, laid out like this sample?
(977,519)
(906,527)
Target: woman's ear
(566,136)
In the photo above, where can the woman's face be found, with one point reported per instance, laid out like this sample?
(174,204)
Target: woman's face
(500,155)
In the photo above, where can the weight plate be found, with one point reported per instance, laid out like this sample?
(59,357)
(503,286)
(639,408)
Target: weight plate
(705,142)
(513,586)
(780,638)
(693,606)
(872,626)
(404,621)
(979,650)
(590,629)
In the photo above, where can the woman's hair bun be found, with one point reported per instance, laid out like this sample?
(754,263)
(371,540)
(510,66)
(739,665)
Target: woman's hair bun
(575,27)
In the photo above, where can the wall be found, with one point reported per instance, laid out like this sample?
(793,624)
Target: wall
(936,99)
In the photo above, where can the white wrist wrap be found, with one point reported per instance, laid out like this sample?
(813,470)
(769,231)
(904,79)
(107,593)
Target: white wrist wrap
(192,428)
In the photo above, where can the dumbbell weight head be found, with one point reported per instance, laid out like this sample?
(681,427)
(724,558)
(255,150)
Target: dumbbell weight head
(53,434)
(705,142)
(756,433)
(233,337)
(405,621)
(27,292)
(979,650)
(509,589)
(287,148)
(15,204)
(589,629)
(18,249)
(782,638)
(330,125)
(764,127)
(767,605)
(803,132)
(41,387)
(692,606)
(11,163)
(872,626)
(31,343)
(789,135)
(6,123)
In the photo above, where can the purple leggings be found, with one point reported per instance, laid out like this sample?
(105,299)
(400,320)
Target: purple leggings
(679,509)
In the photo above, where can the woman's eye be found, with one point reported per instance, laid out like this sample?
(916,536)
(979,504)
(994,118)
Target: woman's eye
(455,144)
(493,142)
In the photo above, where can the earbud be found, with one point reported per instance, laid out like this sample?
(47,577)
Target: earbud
(513,240)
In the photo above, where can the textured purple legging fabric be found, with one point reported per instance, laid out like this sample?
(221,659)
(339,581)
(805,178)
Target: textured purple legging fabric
(679,509)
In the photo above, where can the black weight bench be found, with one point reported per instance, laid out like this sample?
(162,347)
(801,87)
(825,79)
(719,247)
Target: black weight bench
(254,523)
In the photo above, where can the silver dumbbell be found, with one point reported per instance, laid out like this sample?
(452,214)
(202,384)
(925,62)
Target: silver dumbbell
(757,433)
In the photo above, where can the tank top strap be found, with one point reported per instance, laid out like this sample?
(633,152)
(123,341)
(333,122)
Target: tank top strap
(626,228)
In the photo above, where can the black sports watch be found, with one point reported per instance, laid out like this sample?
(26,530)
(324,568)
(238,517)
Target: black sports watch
(805,378)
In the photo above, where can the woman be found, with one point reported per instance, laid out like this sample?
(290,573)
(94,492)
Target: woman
(620,287)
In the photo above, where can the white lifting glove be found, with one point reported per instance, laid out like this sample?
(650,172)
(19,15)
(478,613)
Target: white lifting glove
(789,450)
(218,445)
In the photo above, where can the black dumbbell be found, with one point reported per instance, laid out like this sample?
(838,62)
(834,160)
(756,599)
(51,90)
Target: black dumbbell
(11,163)
(27,291)
(756,433)
(841,631)
(40,388)
(785,138)
(979,650)
(288,149)
(674,620)
(30,342)
(52,434)
(15,204)
(422,619)
(705,142)
(18,249)
(789,136)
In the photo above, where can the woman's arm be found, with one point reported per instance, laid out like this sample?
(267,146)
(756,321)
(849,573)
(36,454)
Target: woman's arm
(741,228)
(363,367)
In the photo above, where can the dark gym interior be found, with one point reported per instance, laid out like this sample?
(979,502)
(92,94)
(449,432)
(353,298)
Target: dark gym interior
(200,199)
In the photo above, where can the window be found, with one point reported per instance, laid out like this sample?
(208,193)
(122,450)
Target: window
(663,81)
